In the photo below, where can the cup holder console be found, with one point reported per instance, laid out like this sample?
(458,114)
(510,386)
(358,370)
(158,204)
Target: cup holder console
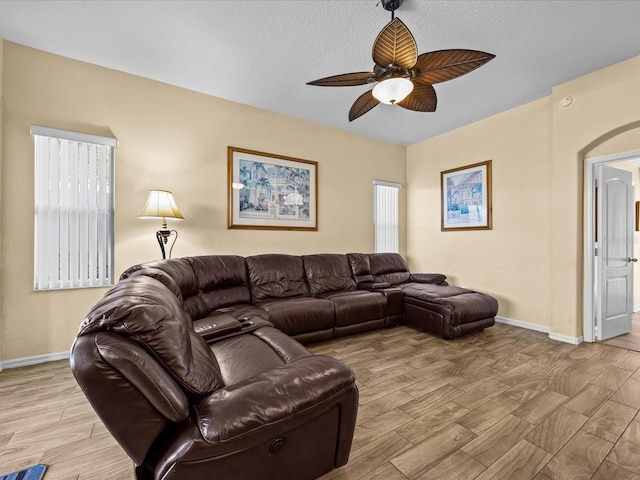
(245,323)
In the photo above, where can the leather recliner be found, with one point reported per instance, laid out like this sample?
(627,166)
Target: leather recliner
(242,401)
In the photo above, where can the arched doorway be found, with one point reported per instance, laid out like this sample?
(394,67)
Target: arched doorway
(619,145)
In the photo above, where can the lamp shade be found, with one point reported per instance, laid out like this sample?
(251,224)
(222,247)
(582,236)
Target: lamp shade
(393,90)
(161,204)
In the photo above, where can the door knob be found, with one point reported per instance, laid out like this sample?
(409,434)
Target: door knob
(632,259)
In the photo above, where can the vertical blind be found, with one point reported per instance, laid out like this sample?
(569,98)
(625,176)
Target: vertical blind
(73,245)
(385,216)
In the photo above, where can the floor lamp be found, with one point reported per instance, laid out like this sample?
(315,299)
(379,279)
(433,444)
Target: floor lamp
(161,204)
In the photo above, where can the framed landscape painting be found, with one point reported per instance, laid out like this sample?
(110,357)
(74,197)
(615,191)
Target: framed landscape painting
(271,192)
(466,197)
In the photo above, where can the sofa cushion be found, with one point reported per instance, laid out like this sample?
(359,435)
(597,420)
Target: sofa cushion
(389,267)
(360,267)
(429,292)
(328,272)
(470,303)
(276,276)
(222,280)
(295,316)
(357,306)
(245,356)
(144,310)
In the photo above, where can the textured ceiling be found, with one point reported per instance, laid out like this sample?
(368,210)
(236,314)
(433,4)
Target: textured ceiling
(262,52)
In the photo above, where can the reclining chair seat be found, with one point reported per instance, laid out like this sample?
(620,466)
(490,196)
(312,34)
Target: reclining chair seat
(329,277)
(271,413)
(278,285)
(306,319)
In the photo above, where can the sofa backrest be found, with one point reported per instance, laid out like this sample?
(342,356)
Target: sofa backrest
(379,268)
(360,267)
(222,280)
(276,276)
(209,282)
(389,268)
(142,309)
(176,274)
(203,283)
(328,272)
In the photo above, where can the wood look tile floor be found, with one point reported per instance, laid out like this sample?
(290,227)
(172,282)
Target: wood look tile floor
(631,340)
(505,403)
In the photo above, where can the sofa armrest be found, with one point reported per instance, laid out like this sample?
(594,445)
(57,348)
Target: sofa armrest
(146,374)
(124,409)
(432,278)
(373,285)
(272,396)
(216,326)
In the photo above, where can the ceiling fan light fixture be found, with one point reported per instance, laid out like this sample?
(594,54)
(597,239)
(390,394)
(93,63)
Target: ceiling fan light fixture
(393,90)
(397,66)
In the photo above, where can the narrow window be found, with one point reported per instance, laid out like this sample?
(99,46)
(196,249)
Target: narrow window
(73,244)
(385,216)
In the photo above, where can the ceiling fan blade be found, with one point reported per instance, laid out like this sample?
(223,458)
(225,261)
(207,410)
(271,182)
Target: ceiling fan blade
(443,65)
(345,80)
(395,46)
(362,105)
(421,99)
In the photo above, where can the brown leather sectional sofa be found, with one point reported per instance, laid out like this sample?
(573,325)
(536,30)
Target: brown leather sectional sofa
(183,364)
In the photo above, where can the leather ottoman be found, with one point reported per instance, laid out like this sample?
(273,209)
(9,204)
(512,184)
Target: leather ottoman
(447,310)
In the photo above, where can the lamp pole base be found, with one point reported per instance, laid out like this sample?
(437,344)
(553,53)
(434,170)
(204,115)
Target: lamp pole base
(163,238)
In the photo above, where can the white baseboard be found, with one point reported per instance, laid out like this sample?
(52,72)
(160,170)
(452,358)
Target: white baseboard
(36,359)
(540,328)
(562,338)
(518,323)
(636,309)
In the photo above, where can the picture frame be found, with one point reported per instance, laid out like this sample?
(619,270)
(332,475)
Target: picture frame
(466,198)
(637,216)
(271,192)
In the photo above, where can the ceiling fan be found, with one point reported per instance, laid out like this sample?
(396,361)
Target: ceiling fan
(403,77)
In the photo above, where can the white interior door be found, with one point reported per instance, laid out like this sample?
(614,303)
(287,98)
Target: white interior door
(614,261)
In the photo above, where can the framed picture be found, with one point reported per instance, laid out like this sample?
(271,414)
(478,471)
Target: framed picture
(466,197)
(271,192)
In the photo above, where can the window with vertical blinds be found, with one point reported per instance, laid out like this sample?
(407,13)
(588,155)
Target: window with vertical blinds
(385,216)
(73,244)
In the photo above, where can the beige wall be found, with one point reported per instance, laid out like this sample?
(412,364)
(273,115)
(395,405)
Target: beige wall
(169,138)
(511,261)
(607,103)
(532,259)
(176,139)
